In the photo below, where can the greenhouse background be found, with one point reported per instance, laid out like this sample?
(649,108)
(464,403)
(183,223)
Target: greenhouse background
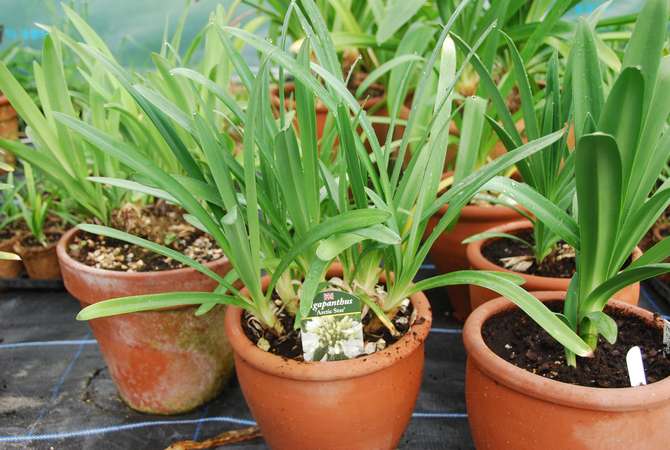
(135,29)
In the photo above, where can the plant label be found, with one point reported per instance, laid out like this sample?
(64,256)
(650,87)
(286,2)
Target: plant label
(333,330)
(635,367)
(666,338)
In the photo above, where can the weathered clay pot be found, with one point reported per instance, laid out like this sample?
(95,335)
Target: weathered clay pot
(10,269)
(358,404)
(162,362)
(511,408)
(480,295)
(449,254)
(41,263)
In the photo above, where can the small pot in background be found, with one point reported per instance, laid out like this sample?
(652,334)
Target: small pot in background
(41,262)
(449,253)
(476,260)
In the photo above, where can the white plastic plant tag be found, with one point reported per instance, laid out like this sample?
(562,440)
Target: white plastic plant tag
(635,367)
(666,338)
(333,330)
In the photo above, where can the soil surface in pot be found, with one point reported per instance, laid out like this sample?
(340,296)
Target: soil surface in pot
(6,234)
(14,228)
(161,223)
(375,335)
(517,256)
(517,339)
(52,236)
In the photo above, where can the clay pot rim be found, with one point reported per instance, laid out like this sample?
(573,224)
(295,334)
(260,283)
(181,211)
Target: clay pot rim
(21,235)
(332,370)
(33,250)
(478,261)
(544,389)
(66,259)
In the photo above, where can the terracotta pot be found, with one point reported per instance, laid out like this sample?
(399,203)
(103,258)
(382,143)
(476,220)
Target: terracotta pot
(476,260)
(41,263)
(9,120)
(371,106)
(359,404)
(511,408)
(10,269)
(162,362)
(289,104)
(449,254)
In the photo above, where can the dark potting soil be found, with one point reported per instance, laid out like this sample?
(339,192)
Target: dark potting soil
(289,345)
(560,263)
(111,254)
(517,339)
(6,234)
(160,223)
(51,238)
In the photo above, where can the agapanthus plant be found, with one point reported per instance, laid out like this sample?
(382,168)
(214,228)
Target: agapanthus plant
(622,146)
(284,212)
(60,154)
(551,172)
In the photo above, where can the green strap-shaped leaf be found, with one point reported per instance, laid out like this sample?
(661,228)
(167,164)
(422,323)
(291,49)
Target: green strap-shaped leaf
(306,112)
(310,286)
(132,158)
(525,91)
(535,309)
(493,234)
(155,114)
(135,187)
(396,14)
(470,140)
(636,225)
(658,253)
(332,247)
(545,210)
(587,83)
(139,303)
(379,312)
(598,177)
(652,153)
(491,90)
(646,44)
(346,222)
(600,296)
(212,87)
(622,116)
(604,324)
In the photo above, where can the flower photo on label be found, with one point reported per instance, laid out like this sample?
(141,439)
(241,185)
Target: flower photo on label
(332,338)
